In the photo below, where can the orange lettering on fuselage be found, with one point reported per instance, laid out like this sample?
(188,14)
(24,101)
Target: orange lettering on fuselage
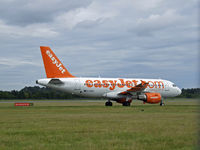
(89,83)
(158,84)
(151,84)
(105,83)
(97,83)
(135,82)
(112,84)
(121,83)
(129,84)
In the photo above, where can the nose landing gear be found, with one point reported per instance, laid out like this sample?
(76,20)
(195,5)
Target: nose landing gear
(162,103)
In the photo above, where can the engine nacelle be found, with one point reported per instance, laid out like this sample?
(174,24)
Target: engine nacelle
(151,98)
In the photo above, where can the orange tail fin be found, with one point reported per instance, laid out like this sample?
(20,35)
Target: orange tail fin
(53,66)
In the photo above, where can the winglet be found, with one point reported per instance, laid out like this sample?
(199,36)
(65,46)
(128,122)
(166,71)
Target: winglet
(53,66)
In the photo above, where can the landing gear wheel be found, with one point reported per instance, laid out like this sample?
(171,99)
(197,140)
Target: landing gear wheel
(108,103)
(126,104)
(162,104)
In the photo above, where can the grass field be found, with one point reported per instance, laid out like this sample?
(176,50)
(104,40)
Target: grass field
(89,125)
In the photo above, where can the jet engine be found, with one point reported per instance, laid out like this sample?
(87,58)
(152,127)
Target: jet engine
(151,98)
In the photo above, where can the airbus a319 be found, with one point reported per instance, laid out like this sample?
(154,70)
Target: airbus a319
(121,90)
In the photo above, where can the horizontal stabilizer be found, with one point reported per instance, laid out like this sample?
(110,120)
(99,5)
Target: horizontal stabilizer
(55,82)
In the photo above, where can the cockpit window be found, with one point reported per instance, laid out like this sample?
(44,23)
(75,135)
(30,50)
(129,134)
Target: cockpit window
(174,85)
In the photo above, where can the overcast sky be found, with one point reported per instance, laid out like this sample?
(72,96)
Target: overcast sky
(110,38)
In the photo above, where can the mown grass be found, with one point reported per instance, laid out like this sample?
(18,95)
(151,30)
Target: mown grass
(92,126)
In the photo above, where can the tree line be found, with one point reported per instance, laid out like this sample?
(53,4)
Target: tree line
(37,92)
(190,93)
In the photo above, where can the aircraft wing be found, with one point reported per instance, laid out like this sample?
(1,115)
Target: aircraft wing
(138,88)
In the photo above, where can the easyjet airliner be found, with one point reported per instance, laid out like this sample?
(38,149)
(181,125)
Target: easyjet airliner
(121,90)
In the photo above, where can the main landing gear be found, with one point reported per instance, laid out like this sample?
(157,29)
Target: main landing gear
(126,103)
(108,103)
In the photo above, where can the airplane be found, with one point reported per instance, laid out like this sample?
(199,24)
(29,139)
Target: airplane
(121,90)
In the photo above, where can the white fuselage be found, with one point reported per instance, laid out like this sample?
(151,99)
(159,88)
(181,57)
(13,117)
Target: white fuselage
(99,87)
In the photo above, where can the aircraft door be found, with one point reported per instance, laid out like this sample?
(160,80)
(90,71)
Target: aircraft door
(77,86)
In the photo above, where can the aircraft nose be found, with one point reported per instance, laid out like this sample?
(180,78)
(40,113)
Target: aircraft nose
(179,91)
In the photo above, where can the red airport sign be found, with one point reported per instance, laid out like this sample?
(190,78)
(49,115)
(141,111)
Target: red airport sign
(23,104)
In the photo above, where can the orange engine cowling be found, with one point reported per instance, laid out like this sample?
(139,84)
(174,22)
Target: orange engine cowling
(151,98)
